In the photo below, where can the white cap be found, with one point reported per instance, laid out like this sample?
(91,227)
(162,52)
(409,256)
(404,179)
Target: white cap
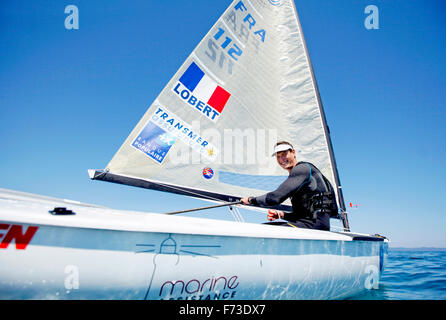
(281,147)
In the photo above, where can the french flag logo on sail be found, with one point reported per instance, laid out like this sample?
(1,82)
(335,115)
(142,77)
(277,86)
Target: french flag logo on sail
(201,92)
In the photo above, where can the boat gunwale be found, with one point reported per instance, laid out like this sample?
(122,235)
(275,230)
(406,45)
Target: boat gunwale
(31,209)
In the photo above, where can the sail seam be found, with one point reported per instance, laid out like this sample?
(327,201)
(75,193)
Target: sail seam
(209,73)
(253,8)
(235,37)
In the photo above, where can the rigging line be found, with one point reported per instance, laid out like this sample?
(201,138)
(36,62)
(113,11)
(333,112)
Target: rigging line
(232,213)
(239,214)
(236,215)
(237,211)
(243,219)
(191,193)
(199,195)
(204,208)
(106,170)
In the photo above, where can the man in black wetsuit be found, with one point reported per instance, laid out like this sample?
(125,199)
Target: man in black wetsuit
(312,196)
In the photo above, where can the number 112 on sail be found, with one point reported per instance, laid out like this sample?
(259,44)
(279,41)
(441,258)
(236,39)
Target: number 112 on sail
(234,51)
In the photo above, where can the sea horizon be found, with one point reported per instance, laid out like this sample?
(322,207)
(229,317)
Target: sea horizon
(418,248)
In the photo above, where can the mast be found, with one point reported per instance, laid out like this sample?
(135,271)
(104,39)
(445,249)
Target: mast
(340,197)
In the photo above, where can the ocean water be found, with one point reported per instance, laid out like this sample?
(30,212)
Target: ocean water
(411,275)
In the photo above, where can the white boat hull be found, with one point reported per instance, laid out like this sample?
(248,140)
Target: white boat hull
(75,257)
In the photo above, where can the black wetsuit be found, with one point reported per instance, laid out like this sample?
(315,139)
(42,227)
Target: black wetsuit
(303,183)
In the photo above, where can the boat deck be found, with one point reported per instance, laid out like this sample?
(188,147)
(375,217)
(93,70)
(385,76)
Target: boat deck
(26,208)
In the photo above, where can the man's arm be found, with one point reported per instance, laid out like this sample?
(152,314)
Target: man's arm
(299,176)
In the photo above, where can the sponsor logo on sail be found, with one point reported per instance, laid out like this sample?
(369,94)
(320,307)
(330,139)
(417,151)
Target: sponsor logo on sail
(201,92)
(208,173)
(163,129)
(154,142)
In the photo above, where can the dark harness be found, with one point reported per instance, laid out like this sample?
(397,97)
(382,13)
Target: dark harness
(321,202)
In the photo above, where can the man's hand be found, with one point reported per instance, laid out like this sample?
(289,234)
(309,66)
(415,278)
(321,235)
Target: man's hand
(245,200)
(275,214)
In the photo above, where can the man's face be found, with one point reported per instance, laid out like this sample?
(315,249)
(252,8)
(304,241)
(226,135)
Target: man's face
(285,159)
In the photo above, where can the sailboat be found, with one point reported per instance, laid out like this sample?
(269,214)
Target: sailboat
(209,135)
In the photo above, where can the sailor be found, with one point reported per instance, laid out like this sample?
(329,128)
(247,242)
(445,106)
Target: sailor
(312,196)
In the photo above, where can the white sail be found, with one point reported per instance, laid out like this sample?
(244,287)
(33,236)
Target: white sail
(248,84)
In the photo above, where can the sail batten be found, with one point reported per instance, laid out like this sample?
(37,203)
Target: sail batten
(248,84)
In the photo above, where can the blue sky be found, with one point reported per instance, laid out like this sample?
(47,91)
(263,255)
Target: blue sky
(69,98)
